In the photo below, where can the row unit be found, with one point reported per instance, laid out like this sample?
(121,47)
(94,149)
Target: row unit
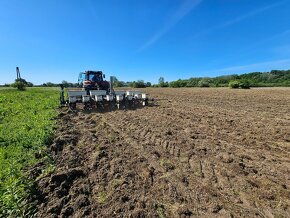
(100,95)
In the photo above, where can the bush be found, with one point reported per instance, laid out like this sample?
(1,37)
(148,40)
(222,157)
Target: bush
(19,85)
(30,84)
(245,85)
(174,84)
(138,84)
(148,84)
(192,82)
(204,83)
(177,84)
(234,84)
(119,84)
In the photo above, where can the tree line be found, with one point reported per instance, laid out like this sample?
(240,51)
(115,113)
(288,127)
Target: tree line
(273,78)
(255,79)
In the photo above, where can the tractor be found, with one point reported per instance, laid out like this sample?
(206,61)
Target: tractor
(93,80)
(96,93)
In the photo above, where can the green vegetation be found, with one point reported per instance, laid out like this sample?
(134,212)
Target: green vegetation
(162,83)
(160,212)
(137,84)
(235,84)
(134,84)
(243,84)
(245,81)
(257,79)
(205,82)
(102,197)
(21,84)
(26,125)
(275,78)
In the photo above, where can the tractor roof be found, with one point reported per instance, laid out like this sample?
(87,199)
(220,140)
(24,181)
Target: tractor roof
(93,72)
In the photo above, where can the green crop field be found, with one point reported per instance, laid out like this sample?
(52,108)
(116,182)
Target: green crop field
(26,126)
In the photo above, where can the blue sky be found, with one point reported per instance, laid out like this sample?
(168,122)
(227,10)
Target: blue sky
(54,40)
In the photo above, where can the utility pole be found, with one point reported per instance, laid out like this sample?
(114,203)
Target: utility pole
(18,73)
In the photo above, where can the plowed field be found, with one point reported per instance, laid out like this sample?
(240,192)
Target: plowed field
(195,153)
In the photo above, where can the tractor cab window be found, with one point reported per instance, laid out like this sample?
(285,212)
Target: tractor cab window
(95,77)
(82,77)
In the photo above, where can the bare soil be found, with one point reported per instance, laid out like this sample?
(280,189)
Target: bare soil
(196,152)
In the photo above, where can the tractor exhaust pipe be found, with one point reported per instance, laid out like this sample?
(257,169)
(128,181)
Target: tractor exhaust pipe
(111,85)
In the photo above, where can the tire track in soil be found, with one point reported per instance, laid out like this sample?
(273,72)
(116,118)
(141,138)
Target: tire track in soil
(179,159)
(130,130)
(173,180)
(158,177)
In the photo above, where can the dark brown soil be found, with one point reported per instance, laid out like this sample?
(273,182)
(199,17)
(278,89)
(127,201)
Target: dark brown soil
(197,152)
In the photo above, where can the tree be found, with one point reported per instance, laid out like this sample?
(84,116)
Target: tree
(50,84)
(178,83)
(245,84)
(148,84)
(140,84)
(117,83)
(20,84)
(234,84)
(30,84)
(137,84)
(65,83)
(192,82)
(161,82)
(205,82)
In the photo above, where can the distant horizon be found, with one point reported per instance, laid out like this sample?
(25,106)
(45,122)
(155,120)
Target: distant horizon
(153,83)
(51,41)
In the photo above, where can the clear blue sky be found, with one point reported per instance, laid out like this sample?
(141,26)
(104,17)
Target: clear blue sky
(54,40)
